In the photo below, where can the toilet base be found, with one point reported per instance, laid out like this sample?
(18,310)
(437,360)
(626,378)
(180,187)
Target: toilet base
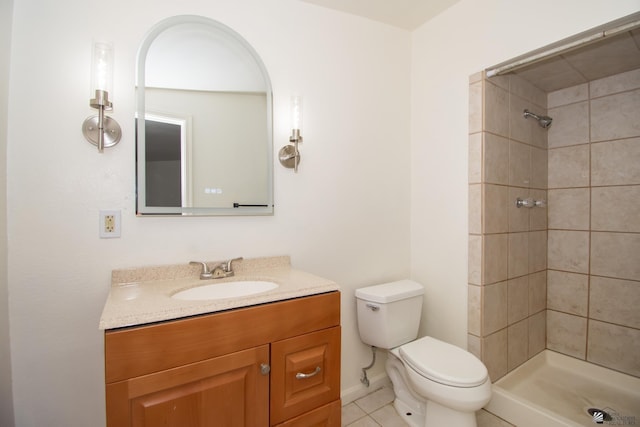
(411,417)
(438,415)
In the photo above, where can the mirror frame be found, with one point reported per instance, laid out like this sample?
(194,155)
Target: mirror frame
(141,208)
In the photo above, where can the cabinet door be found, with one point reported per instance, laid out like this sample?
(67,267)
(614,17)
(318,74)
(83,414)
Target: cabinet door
(305,373)
(325,416)
(227,391)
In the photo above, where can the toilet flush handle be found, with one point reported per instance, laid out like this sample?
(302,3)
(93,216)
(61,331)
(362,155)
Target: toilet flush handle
(373,307)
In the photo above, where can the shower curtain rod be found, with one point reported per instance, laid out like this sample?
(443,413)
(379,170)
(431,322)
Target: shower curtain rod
(583,39)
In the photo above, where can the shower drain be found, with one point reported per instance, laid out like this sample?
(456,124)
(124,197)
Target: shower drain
(599,415)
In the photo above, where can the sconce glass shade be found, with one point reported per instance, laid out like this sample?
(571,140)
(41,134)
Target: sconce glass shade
(296,112)
(101,68)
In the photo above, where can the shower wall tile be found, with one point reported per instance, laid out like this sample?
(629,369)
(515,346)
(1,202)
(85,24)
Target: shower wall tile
(475,158)
(569,167)
(566,333)
(568,292)
(614,346)
(615,301)
(494,354)
(618,83)
(495,216)
(518,217)
(519,164)
(517,344)
(474,309)
(494,307)
(615,255)
(495,254)
(537,333)
(569,209)
(496,159)
(570,95)
(612,117)
(537,251)
(517,299)
(518,261)
(525,90)
(475,208)
(539,168)
(475,267)
(475,107)
(570,125)
(616,208)
(568,251)
(537,292)
(615,162)
(474,345)
(523,129)
(538,216)
(496,110)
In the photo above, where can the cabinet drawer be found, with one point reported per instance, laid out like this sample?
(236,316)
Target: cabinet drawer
(305,373)
(325,416)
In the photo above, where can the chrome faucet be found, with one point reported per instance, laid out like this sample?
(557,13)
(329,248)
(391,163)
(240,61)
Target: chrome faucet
(218,271)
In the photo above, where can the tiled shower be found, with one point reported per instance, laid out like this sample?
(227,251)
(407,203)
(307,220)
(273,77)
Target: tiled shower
(565,274)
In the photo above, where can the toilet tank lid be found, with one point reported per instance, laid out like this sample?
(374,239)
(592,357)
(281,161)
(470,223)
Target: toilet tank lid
(390,291)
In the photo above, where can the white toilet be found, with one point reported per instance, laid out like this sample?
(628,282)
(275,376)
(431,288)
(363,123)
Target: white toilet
(435,383)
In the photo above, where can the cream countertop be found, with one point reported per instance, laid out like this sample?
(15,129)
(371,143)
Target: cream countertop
(143,295)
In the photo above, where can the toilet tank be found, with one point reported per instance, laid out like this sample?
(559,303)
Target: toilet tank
(389,314)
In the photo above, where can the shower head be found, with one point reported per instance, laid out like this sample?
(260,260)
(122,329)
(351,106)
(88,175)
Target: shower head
(543,121)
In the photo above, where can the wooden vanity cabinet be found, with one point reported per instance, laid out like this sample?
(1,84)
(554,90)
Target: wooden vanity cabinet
(266,365)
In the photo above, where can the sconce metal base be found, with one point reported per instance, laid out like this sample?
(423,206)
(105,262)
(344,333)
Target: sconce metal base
(112,131)
(289,157)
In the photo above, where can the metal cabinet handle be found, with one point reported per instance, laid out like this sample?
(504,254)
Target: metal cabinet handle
(265,369)
(301,376)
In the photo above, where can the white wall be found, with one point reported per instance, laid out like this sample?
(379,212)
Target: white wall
(344,216)
(467,38)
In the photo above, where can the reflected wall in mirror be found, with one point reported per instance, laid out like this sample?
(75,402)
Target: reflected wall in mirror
(204,142)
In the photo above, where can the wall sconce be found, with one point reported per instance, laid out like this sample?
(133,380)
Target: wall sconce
(289,154)
(101,130)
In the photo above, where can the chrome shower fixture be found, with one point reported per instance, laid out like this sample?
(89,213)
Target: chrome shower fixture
(543,121)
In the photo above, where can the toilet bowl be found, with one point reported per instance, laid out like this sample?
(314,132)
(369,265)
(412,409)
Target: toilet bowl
(435,383)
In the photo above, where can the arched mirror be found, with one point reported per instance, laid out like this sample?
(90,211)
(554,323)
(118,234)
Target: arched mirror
(204,132)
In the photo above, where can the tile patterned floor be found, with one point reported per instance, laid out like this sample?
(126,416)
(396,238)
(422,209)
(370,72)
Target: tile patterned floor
(376,410)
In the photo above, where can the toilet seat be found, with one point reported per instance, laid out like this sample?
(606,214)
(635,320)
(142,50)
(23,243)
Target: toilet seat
(443,363)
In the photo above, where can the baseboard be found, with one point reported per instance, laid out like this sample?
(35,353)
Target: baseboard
(356,392)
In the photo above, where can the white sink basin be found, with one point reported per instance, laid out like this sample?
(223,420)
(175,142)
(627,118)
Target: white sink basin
(224,290)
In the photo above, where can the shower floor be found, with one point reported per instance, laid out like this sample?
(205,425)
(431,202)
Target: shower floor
(555,390)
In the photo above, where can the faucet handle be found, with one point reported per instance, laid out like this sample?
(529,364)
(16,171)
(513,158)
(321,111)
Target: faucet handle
(228,267)
(205,273)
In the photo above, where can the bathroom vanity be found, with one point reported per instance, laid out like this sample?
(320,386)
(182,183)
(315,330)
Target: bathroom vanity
(271,359)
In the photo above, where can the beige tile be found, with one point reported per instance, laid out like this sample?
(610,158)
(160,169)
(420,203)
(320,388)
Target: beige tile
(475,260)
(568,251)
(518,217)
(615,116)
(366,421)
(570,95)
(566,333)
(476,77)
(518,344)
(525,90)
(496,110)
(537,333)
(495,254)
(388,417)
(569,167)
(538,215)
(570,125)
(567,292)
(616,208)
(519,164)
(475,158)
(614,346)
(474,345)
(615,162)
(496,159)
(518,264)
(351,413)
(523,129)
(376,400)
(475,208)
(495,216)
(615,84)
(569,208)
(494,354)
(517,299)
(494,308)
(537,251)
(487,419)
(503,82)
(615,301)
(615,255)
(539,168)
(475,107)
(537,292)
(474,310)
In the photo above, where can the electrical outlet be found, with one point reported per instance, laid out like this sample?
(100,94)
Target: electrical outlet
(109,226)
